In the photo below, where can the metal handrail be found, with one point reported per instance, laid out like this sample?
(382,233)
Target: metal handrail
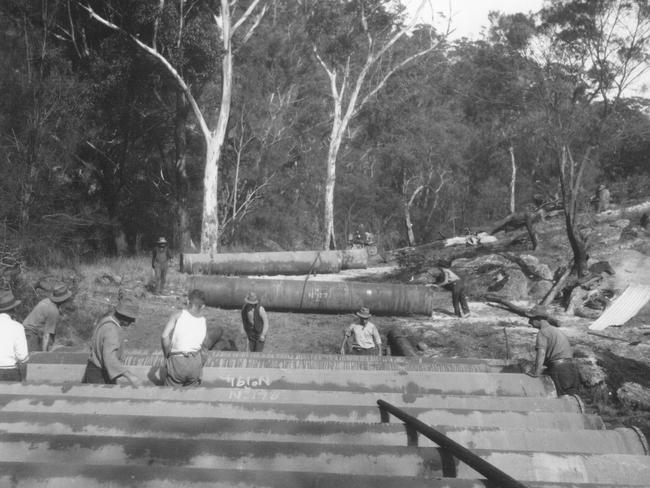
(491,472)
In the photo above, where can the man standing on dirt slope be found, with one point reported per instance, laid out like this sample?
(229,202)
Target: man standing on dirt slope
(603,196)
(447,279)
(13,344)
(159,262)
(367,341)
(106,347)
(40,324)
(554,352)
(255,322)
(182,341)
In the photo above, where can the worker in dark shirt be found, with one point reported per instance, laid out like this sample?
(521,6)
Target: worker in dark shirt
(255,322)
(160,263)
(554,352)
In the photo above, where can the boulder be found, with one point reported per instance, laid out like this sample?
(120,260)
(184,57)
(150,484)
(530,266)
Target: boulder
(590,373)
(633,395)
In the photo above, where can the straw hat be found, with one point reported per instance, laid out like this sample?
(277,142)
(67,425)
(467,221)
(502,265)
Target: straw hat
(161,241)
(251,298)
(8,301)
(363,313)
(60,293)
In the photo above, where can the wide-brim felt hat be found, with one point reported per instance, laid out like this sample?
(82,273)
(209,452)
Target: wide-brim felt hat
(8,301)
(363,313)
(60,293)
(161,240)
(251,298)
(128,308)
(538,312)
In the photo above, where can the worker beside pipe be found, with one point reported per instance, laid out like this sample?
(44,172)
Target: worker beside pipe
(255,322)
(447,279)
(106,347)
(182,340)
(553,351)
(366,339)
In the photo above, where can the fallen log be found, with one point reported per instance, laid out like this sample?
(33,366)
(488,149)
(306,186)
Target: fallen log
(521,311)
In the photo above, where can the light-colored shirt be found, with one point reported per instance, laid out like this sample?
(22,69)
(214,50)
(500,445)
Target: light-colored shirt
(43,317)
(13,344)
(448,277)
(364,336)
(189,333)
(106,347)
(554,342)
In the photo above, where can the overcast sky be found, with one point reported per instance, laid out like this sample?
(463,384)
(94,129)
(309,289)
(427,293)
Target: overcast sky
(470,16)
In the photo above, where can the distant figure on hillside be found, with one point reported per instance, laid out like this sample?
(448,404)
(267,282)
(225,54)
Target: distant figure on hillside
(603,198)
(554,352)
(40,324)
(447,279)
(255,322)
(182,340)
(106,347)
(159,262)
(366,340)
(13,344)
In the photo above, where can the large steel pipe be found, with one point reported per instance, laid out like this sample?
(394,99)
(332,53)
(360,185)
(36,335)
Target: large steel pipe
(237,359)
(274,263)
(617,441)
(399,343)
(611,469)
(297,397)
(316,296)
(29,475)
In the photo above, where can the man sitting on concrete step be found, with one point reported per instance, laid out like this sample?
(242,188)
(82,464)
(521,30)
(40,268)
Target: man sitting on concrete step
(13,344)
(182,341)
(106,347)
(366,339)
(553,351)
(40,324)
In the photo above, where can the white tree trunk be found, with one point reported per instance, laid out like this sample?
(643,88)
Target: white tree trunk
(513,179)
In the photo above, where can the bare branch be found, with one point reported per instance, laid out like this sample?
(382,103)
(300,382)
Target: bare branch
(245,15)
(252,28)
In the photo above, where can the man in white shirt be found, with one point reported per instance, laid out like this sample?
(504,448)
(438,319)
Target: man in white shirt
(13,344)
(182,340)
(366,339)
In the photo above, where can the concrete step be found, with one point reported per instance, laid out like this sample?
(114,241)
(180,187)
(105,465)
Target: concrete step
(492,384)
(236,359)
(359,460)
(314,413)
(617,441)
(303,397)
(31,475)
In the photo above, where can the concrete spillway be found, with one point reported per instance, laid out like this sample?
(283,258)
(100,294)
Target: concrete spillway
(274,263)
(316,296)
(266,422)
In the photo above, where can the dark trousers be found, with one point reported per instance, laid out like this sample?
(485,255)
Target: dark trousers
(11,374)
(255,345)
(458,297)
(96,375)
(183,369)
(565,376)
(360,351)
(160,276)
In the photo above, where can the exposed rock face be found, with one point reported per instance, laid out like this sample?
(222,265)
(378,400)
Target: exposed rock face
(633,395)
(510,276)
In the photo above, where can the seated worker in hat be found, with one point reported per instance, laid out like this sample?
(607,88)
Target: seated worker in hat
(160,263)
(105,362)
(13,344)
(554,352)
(366,339)
(255,322)
(182,339)
(40,324)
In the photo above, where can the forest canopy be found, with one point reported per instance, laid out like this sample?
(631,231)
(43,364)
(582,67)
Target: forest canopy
(112,112)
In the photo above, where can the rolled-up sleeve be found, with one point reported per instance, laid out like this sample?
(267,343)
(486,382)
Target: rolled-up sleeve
(376,336)
(20,345)
(110,351)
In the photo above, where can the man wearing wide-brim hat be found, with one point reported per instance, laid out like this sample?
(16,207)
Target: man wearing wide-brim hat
(160,263)
(554,352)
(255,322)
(106,347)
(366,340)
(13,344)
(40,324)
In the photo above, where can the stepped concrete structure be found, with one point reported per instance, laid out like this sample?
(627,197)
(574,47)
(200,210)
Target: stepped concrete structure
(299,420)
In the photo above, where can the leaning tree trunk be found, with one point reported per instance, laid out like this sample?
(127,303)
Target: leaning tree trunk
(330,181)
